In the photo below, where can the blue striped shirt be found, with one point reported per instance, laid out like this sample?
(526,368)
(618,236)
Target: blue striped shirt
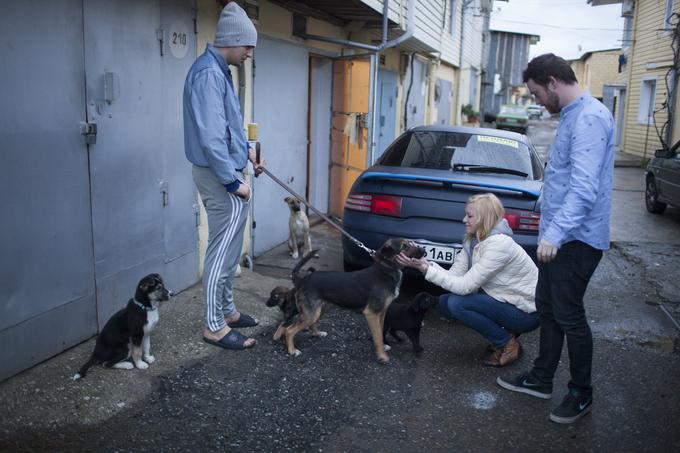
(577,194)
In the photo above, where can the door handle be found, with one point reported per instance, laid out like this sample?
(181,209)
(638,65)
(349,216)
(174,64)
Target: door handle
(89,131)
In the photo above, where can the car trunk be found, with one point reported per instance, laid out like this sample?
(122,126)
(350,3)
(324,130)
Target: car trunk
(440,197)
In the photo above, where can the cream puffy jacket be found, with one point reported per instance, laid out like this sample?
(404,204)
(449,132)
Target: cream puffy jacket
(499,266)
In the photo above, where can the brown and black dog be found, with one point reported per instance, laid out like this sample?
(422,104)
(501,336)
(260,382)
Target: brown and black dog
(284,298)
(368,291)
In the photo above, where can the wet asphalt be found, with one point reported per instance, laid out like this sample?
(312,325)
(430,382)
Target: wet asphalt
(337,397)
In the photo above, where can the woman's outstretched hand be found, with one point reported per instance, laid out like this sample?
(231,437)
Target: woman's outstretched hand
(415,263)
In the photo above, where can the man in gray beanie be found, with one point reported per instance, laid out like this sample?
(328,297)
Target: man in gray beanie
(215,143)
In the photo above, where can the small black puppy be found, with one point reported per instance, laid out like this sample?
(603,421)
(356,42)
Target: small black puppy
(408,319)
(127,333)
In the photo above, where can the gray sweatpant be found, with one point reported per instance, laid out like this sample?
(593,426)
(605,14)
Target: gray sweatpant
(227,214)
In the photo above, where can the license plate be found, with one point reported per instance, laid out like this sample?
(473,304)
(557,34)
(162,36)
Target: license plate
(440,253)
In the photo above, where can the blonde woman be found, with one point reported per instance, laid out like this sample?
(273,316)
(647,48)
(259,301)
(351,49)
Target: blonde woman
(492,282)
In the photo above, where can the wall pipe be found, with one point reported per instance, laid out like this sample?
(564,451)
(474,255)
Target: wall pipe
(374,50)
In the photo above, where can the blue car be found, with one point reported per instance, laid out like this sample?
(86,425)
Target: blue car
(419,187)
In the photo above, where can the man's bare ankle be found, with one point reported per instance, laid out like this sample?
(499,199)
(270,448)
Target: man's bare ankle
(217,335)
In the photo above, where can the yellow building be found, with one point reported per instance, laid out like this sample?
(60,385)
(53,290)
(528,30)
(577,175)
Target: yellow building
(649,63)
(596,69)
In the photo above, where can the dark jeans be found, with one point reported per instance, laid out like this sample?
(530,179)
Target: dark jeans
(488,316)
(559,301)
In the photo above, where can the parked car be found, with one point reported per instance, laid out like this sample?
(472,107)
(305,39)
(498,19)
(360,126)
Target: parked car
(535,111)
(513,118)
(419,187)
(662,180)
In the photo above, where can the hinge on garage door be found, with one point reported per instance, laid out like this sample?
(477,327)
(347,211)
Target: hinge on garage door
(254,68)
(163,185)
(159,36)
(195,13)
(197,214)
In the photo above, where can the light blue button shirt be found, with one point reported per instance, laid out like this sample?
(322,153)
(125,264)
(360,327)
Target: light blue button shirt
(577,194)
(213,125)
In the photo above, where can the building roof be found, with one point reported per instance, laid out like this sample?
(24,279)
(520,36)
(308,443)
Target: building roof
(587,55)
(533,39)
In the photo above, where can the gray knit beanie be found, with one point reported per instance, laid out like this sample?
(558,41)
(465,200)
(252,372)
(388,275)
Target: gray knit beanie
(235,29)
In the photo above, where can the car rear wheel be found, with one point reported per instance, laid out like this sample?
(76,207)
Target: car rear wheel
(652,198)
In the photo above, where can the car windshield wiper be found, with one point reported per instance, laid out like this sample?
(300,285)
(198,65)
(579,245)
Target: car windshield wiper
(487,169)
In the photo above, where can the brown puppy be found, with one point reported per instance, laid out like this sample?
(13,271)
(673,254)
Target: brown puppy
(368,291)
(298,225)
(284,298)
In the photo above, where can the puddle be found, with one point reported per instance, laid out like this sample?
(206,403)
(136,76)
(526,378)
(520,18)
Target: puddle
(483,400)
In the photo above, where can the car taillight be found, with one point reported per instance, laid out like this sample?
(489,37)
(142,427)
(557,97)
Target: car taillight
(388,205)
(522,220)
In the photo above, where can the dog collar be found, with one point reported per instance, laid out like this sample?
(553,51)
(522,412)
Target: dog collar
(144,307)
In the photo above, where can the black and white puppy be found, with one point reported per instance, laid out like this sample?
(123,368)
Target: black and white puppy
(408,319)
(127,334)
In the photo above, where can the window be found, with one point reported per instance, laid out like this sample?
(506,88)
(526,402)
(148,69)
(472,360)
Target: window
(647,101)
(452,16)
(668,15)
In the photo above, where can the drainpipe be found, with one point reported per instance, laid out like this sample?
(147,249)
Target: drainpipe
(384,44)
(410,26)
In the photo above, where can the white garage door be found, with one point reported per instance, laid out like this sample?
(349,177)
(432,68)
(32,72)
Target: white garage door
(280,108)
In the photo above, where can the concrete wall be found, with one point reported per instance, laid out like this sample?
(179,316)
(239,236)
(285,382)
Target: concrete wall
(596,69)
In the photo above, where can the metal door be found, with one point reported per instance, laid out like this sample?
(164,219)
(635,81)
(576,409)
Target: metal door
(415,87)
(122,67)
(280,108)
(321,70)
(349,134)
(47,293)
(621,112)
(180,212)
(443,101)
(387,114)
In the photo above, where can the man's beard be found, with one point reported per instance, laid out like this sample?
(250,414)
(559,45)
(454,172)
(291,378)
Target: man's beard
(552,105)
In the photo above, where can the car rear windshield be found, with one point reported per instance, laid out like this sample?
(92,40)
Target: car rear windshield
(513,110)
(456,151)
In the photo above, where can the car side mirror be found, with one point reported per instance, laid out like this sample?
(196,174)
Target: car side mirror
(664,153)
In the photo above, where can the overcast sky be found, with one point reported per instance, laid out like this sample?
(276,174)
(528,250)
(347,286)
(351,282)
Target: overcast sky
(568,28)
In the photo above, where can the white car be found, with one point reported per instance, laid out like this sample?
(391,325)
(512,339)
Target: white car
(535,111)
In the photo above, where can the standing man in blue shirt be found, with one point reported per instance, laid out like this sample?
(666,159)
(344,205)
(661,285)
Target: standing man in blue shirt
(215,143)
(574,230)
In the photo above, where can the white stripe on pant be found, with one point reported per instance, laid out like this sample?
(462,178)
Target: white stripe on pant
(227,214)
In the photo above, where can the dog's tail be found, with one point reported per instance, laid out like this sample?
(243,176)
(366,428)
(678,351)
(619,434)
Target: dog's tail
(298,266)
(83,370)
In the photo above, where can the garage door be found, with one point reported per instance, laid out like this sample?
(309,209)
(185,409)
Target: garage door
(280,108)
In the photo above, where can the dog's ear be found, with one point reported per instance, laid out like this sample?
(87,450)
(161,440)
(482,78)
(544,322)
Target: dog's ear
(288,199)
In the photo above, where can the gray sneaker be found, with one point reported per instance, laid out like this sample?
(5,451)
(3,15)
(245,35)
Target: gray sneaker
(525,383)
(573,407)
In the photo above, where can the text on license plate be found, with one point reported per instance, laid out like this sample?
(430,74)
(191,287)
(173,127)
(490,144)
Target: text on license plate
(440,254)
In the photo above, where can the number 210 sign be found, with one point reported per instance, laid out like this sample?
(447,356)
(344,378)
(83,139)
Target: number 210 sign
(178,36)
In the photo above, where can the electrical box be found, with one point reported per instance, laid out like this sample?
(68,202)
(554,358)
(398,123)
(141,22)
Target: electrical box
(627,8)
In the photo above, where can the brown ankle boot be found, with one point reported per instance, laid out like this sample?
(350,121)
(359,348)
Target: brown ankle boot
(505,355)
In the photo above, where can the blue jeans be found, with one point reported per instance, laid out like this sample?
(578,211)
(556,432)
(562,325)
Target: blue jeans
(559,300)
(488,316)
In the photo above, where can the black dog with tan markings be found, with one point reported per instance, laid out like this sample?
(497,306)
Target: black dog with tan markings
(126,335)
(368,291)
